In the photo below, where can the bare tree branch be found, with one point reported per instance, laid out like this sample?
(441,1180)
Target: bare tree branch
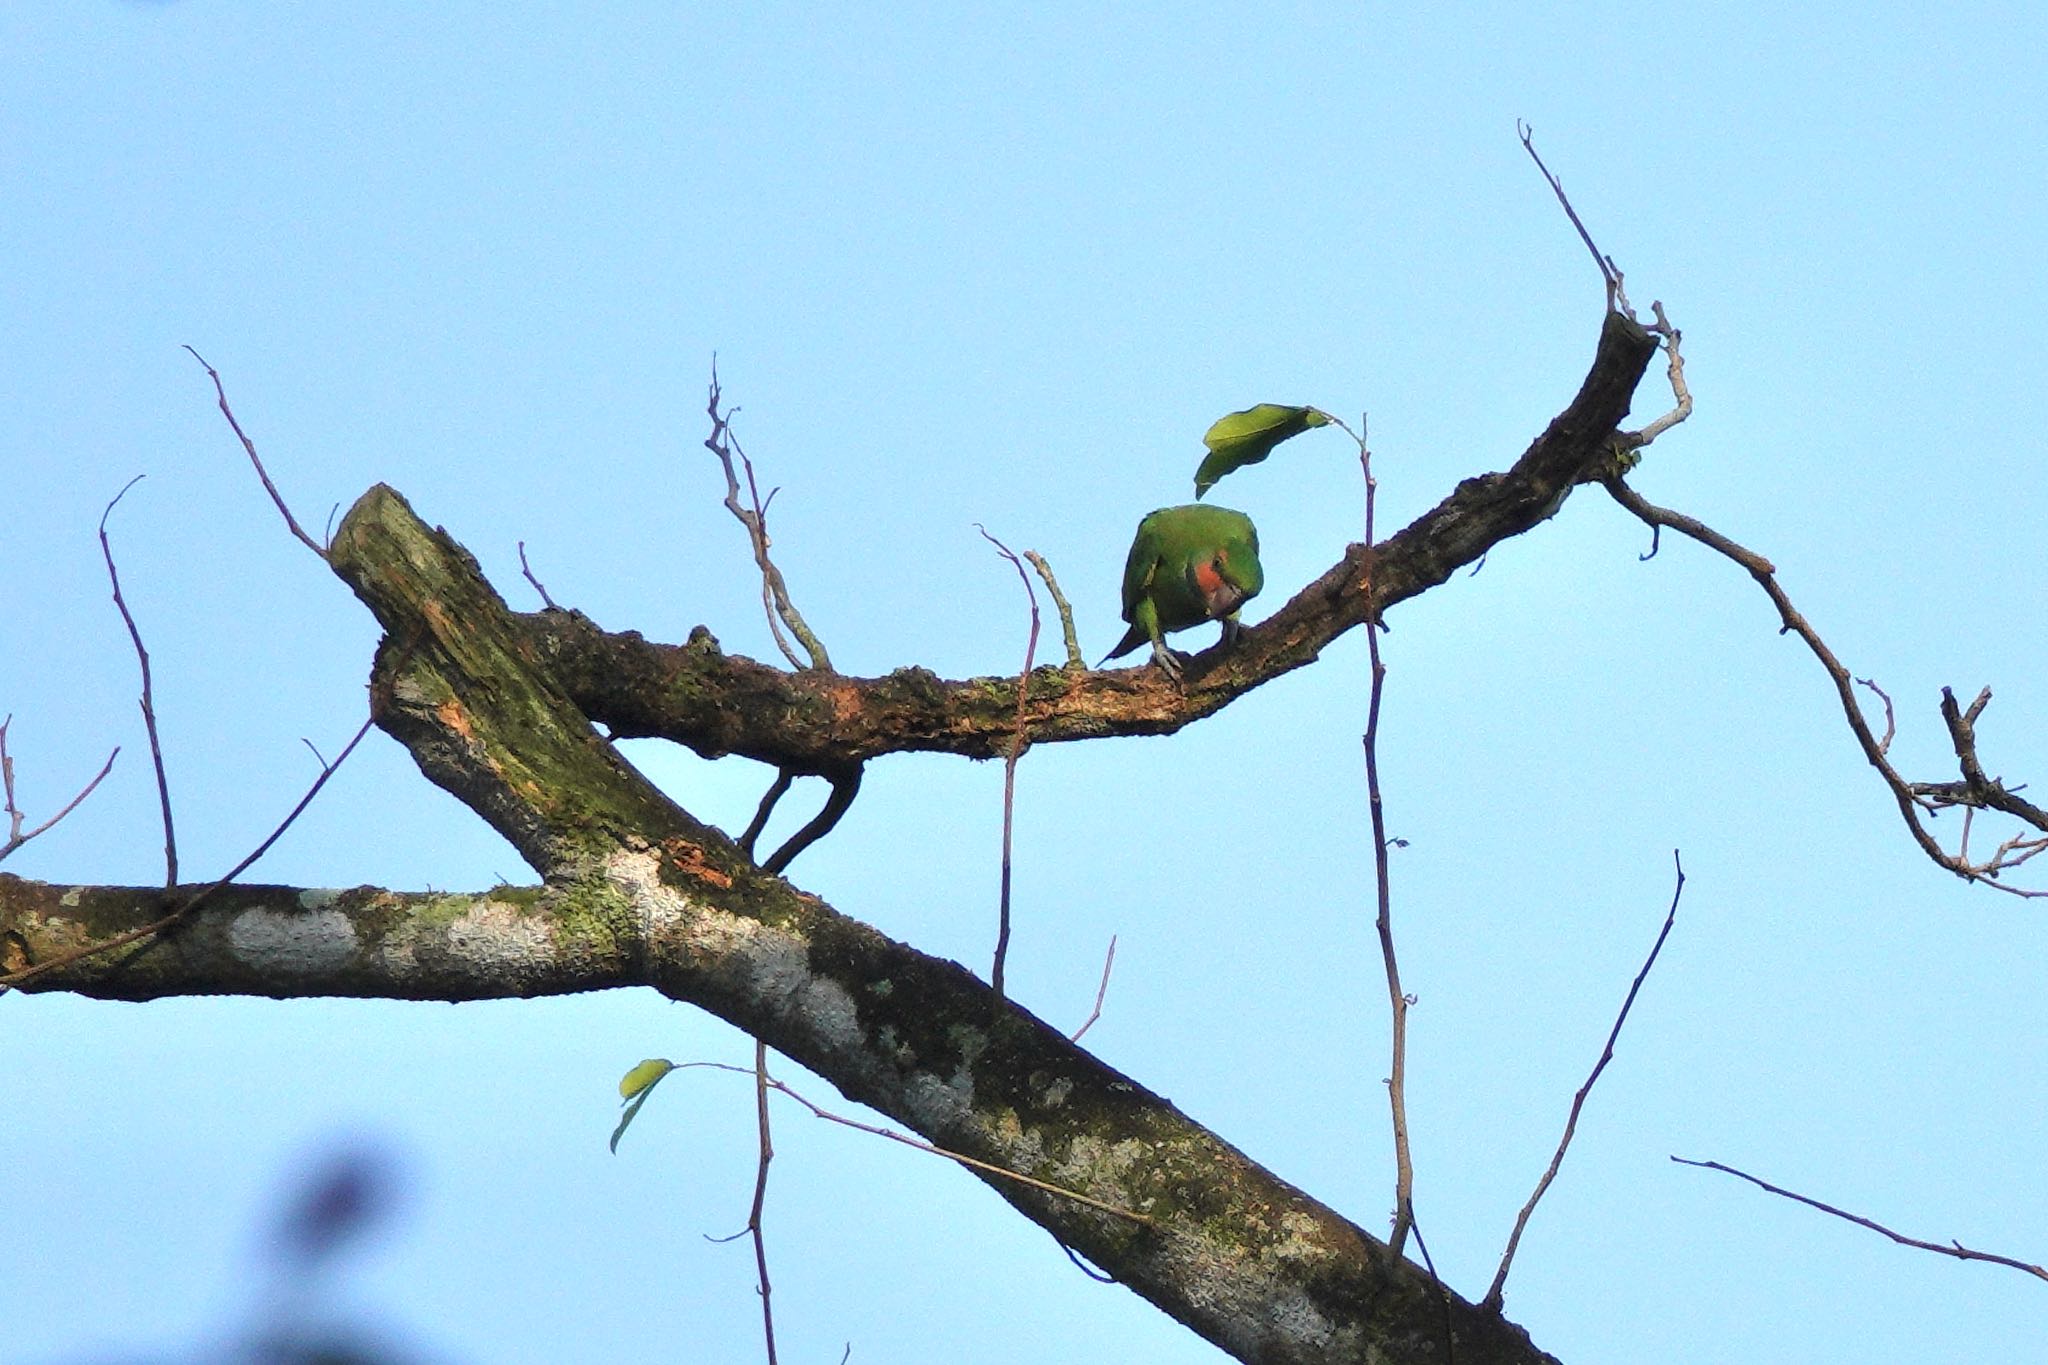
(156,751)
(277,498)
(1075,658)
(538,586)
(1976,790)
(808,721)
(1383,921)
(1955,1249)
(1017,742)
(754,517)
(28,968)
(16,837)
(1571,1123)
(1101,990)
(1610,274)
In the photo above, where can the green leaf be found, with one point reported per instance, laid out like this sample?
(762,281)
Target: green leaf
(1246,437)
(634,1087)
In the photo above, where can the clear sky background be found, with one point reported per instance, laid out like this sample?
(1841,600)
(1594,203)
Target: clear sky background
(963,264)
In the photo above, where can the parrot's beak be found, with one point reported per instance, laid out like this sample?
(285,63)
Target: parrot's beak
(1223,599)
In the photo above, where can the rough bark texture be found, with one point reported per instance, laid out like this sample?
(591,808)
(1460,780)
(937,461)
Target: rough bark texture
(497,708)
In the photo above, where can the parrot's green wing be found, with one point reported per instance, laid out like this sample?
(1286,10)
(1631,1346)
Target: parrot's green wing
(1143,565)
(1246,437)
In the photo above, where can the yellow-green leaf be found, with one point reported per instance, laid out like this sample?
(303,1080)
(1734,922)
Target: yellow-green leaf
(643,1076)
(1246,437)
(634,1087)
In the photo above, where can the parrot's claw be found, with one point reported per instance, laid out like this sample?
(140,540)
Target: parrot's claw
(1168,661)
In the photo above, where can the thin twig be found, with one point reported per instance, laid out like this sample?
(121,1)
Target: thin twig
(845,786)
(774,591)
(1955,1249)
(1443,1293)
(1975,790)
(156,752)
(181,912)
(1571,1124)
(1010,766)
(1075,659)
(1609,272)
(221,392)
(1383,922)
(777,789)
(921,1145)
(1890,721)
(538,586)
(1681,396)
(1101,990)
(767,1149)
(15,819)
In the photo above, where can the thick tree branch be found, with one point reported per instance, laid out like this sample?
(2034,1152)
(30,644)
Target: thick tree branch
(813,722)
(638,891)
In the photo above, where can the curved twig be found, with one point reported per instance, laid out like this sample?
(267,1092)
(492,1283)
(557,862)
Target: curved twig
(156,750)
(845,786)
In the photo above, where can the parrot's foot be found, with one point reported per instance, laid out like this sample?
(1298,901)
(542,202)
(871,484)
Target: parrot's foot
(1168,661)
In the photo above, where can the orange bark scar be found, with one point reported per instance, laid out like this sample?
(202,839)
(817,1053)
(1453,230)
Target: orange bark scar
(451,714)
(689,859)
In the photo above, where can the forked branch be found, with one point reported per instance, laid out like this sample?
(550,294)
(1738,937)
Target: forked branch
(16,835)
(1976,791)
(753,515)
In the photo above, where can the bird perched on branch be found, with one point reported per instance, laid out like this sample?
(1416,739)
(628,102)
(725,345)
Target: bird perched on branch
(1187,565)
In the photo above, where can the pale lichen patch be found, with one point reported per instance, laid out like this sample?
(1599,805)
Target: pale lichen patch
(492,934)
(293,943)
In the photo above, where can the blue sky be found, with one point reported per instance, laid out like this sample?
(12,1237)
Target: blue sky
(960,265)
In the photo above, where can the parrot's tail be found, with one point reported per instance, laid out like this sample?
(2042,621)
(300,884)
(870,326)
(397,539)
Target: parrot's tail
(1133,637)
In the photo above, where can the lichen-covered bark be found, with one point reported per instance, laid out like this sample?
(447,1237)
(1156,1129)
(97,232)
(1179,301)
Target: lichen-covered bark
(497,708)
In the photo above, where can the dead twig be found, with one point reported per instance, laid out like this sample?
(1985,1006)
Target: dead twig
(16,837)
(1571,1124)
(1609,271)
(1681,396)
(777,789)
(845,786)
(1383,921)
(1075,659)
(1017,742)
(1955,1249)
(1443,1293)
(157,926)
(1976,790)
(767,1148)
(1101,990)
(220,391)
(156,751)
(538,586)
(754,517)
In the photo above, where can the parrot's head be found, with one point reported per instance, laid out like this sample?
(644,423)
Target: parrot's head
(1229,578)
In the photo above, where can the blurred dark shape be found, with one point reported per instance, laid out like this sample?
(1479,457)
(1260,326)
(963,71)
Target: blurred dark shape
(342,1196)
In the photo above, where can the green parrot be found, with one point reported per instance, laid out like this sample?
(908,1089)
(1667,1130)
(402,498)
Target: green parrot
(1188,565)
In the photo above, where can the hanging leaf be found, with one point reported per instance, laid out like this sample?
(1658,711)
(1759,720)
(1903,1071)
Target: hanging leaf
(634,1088)
(1249,436)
